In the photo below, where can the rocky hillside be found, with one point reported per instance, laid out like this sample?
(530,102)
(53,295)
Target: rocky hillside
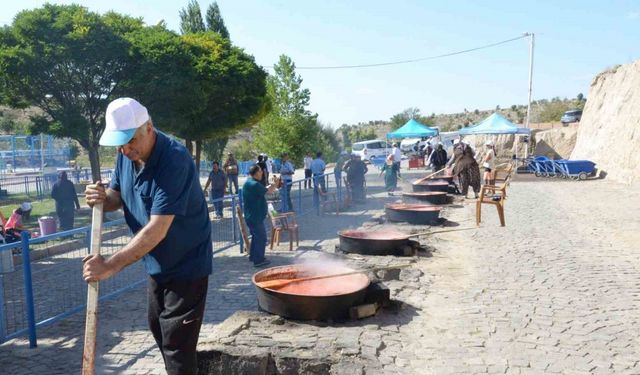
(609,133)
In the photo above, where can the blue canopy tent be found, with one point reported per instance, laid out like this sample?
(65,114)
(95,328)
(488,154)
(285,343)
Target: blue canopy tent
(413,129)
(494,124)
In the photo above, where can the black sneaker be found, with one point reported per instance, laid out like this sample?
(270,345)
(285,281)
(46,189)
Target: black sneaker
(262,264)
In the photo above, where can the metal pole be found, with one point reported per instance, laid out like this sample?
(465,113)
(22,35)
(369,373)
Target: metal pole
(531,44)
(241,203)
(234,219)
(28,289)
(300,196)
(3,268)
(42,152)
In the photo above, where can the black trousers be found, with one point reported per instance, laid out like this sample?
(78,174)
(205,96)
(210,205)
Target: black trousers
(307,181)
(175,316)
(66,213)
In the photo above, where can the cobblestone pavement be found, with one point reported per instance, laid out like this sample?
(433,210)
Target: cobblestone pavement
(556,291)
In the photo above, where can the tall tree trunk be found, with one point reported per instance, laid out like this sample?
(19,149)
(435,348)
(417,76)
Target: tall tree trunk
(188,143)
(94,160)
(198,154)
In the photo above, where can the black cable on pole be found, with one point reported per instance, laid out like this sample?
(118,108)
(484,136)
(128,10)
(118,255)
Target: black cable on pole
(412,60)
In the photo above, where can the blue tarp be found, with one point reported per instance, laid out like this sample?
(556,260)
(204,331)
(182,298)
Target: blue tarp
(494,124)
(413,129)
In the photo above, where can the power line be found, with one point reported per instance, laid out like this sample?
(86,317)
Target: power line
(412,60)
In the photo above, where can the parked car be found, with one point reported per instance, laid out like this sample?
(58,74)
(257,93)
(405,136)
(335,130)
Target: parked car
(371,149)
(571,116)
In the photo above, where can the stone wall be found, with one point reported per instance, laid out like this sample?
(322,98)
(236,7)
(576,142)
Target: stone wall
(609,133)
(555,143)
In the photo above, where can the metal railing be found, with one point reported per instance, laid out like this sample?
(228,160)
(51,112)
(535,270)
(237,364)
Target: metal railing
(39,186)
(41,280)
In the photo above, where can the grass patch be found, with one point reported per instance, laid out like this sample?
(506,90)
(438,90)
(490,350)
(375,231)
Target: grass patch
(45,207)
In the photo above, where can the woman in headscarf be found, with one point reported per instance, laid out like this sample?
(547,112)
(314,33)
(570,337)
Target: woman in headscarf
(467,169)
(391,172)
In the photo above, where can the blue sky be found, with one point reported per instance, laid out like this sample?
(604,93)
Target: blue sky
(574,41)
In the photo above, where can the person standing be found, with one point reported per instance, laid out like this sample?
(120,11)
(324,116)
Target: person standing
(397,154)
(391,173)
(231,170)
(438,158)
(468,171)
(156,184)
(64,193)
(255,211)
(356,178)
(269,163)
(307,170)
(317,171)
(218,181)
(489,163)
(263,165)
(286,174)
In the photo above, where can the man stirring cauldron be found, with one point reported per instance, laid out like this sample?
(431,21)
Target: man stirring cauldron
(156,184)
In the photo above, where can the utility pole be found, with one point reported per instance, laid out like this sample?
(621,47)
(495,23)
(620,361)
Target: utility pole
(527,124)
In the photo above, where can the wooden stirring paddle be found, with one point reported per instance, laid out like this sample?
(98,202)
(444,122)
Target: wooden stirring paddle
(280,283)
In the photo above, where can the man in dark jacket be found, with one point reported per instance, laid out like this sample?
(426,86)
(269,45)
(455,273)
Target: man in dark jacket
(64,193)
(438,158)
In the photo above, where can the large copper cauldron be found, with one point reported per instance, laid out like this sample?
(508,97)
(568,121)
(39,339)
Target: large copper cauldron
(431,185)
(435,197)
(380,242)
(421,214)
(322,299)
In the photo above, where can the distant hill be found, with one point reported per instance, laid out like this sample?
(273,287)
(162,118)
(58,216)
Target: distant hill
(542,111)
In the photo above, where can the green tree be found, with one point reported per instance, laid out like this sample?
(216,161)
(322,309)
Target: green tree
(214,148)
(401,118)
(232,89)
(290,126)
(230,86)
(70,63)
(215,22)
(580,97)
(243,149)
(344,132)
(191,18)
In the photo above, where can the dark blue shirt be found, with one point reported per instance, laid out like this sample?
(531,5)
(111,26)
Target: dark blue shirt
(168,185)
(218,180)
(255,203)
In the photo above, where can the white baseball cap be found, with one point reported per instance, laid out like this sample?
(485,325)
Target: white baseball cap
(456,141)
(489,143)
(124,116)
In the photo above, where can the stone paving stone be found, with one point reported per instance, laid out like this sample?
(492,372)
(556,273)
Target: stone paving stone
(510,297)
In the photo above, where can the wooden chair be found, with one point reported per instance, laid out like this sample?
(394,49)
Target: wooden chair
(329,202)
(495,195)
(284,222)
(243,230)
(503,172)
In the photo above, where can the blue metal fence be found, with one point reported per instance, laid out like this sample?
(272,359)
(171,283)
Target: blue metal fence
(40,278)
(39,186)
